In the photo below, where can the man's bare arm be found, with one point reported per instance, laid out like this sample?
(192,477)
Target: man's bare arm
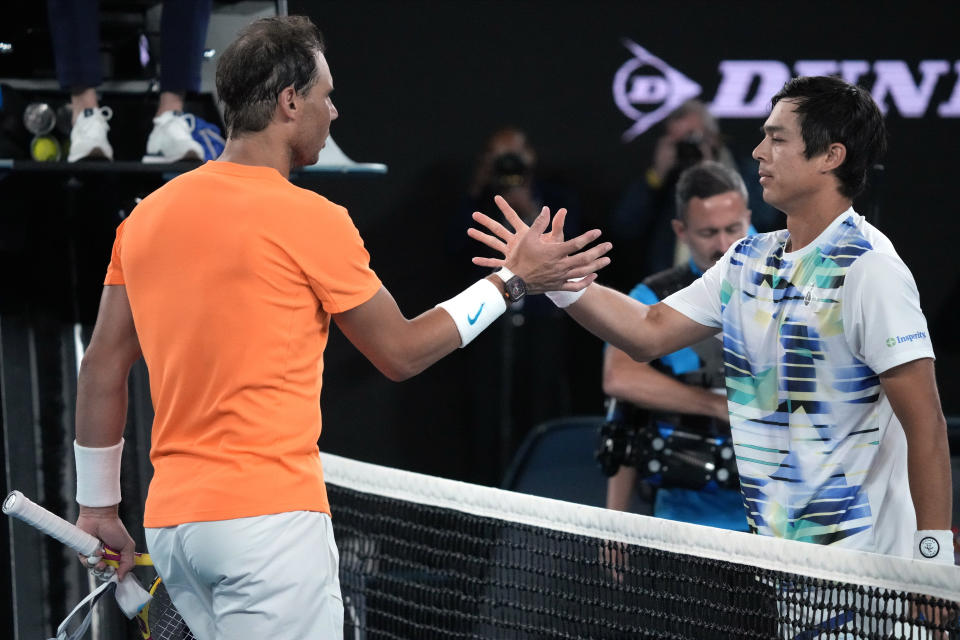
(912,391)
(401,348)
(102,382)
(398,347)
(644,386)
(102,406)
(643,332)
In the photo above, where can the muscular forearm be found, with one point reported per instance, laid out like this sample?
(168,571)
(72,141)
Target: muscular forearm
(654,390)
(931,486)
(398,347)
(421,342)
(643,332)
(431,336)
(617,319)
(911,389)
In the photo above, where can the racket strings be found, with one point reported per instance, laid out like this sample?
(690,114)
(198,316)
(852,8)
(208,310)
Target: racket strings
(163,619)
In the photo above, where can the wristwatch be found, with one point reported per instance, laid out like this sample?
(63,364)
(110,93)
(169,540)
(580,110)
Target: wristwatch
(514,288)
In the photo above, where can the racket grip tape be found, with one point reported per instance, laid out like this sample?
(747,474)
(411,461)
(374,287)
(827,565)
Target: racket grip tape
(19,506)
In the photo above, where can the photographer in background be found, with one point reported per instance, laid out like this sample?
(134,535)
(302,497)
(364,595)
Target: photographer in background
(528,380)
(679,398)
(507,167)
(642,219)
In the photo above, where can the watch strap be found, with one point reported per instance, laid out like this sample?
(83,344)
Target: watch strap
(504,274)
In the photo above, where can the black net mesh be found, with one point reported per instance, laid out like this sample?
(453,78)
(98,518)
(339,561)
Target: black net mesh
(409,570)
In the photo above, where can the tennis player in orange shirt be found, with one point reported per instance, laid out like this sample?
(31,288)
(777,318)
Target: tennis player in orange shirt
(225,280)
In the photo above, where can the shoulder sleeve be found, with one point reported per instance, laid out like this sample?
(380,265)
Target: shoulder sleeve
(331,253)
(701,300)
(115,268)
(883,323)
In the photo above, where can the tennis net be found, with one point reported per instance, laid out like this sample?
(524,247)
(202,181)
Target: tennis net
(425,557)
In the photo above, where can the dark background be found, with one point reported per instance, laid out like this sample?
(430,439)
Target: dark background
(420,86)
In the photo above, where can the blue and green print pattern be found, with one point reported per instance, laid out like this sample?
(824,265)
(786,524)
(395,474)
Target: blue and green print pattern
(797,393)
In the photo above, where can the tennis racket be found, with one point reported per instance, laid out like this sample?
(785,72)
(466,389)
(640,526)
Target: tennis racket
(158,620)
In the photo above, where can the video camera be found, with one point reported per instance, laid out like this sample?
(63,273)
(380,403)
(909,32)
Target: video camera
(662,455)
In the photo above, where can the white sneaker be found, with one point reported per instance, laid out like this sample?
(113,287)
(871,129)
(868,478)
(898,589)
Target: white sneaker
(88,137)
(172,139)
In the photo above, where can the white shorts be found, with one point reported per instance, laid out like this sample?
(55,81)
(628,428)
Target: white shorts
(271,576)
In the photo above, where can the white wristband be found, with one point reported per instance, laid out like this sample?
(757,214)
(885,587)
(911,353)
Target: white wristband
(474,309)
(98,474)
(564,299)
(504,274)
(934,545)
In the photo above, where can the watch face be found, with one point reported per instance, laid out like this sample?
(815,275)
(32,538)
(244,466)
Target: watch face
(516,288)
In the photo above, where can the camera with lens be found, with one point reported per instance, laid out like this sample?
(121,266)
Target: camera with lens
(509,170)
(689,151)
(663,455)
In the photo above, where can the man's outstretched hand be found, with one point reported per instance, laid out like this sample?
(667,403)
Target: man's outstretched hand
(544,260)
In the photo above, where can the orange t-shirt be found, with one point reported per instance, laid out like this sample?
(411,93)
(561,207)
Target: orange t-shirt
(232,274)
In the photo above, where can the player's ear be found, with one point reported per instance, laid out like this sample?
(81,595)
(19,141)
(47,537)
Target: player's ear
(288,102)
(835,155)
(678,227)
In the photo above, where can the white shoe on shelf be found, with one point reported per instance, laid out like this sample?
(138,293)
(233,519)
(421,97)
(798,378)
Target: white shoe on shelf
(172,139)
(88,137)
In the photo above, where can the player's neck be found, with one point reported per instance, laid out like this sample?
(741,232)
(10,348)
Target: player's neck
(261,149)
(808,219)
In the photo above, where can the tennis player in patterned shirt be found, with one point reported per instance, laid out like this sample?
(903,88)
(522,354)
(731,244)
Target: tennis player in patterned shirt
(836,419)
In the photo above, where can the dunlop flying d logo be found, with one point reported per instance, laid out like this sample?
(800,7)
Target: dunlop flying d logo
(647,89)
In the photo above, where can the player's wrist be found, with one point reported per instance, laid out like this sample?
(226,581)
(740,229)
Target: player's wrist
(475,308)
(100,513)
(514,287)
(498,282)
(98,475)
(564,299)
(933,545)
(503,274)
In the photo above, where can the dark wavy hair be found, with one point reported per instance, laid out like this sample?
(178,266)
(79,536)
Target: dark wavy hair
(268,56)
(831,110)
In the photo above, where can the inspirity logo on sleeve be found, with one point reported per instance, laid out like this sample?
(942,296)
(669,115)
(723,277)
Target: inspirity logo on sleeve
(919,335)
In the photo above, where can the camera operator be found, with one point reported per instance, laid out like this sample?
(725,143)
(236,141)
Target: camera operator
(642,218)
(682,391)
(528,379)
(506,167)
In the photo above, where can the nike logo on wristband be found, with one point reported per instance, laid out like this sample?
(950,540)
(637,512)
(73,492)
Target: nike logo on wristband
(473,319)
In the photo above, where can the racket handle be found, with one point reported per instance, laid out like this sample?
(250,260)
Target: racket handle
(19,506)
